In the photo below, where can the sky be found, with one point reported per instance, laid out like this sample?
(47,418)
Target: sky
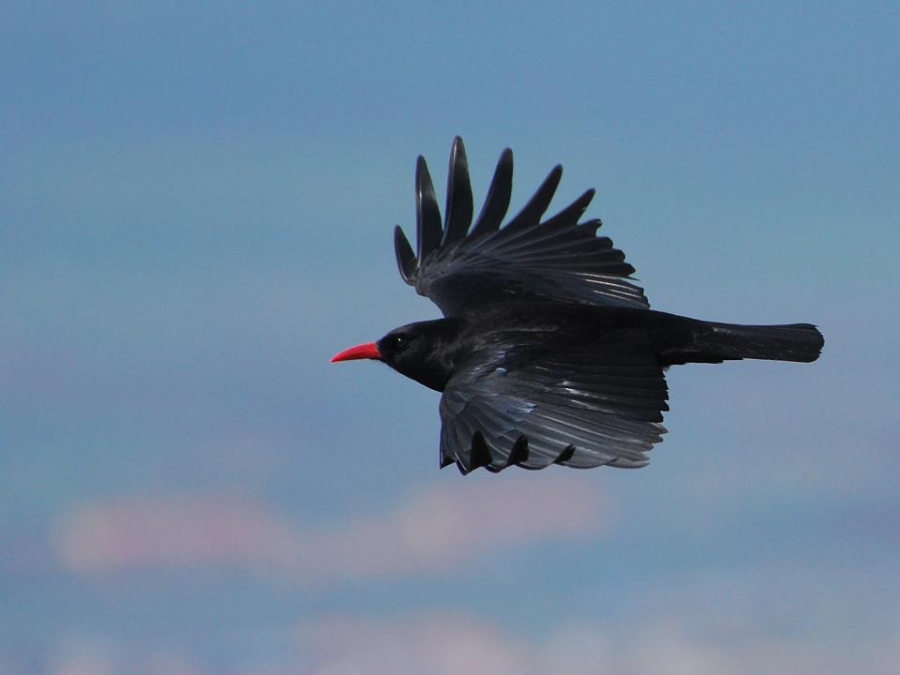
(196,212)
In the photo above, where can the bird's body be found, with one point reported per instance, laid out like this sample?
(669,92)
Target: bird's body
(548,352)
(507,335)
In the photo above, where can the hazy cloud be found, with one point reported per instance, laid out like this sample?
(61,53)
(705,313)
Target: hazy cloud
(434,530)
(455,644)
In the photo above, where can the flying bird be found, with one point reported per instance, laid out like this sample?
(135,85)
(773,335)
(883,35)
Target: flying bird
(548,352)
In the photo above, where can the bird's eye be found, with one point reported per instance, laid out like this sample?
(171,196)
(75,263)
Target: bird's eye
(400,341)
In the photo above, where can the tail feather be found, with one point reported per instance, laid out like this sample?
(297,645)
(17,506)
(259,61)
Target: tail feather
(716,342)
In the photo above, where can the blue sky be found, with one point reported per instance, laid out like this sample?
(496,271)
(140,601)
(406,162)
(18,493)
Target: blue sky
(196,205)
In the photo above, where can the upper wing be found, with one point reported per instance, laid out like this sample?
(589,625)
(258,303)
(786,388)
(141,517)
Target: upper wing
(459,265)
(583,407)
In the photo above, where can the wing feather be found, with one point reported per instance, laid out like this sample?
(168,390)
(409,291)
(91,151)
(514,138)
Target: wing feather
(460,266)
(460,202)
(428,213)
(531,213)
(581,408)
(499,194)
(406,257)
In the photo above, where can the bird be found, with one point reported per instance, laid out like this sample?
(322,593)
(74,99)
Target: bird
(548,352)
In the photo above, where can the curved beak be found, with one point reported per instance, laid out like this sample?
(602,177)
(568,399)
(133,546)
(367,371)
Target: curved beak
(366,351)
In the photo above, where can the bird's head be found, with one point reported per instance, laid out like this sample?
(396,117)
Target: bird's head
(424,351)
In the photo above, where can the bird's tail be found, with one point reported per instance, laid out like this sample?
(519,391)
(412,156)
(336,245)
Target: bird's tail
(712,342)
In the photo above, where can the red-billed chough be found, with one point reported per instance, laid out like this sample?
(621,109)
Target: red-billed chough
(549,352)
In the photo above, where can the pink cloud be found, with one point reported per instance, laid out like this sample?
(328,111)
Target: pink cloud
(439,528)
(179,532)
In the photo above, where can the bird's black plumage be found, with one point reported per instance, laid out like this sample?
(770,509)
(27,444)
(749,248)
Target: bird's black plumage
(549,352)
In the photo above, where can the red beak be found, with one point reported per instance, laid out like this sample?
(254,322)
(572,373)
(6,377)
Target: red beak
(366,351)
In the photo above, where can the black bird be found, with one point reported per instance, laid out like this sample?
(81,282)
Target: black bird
(549,352)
